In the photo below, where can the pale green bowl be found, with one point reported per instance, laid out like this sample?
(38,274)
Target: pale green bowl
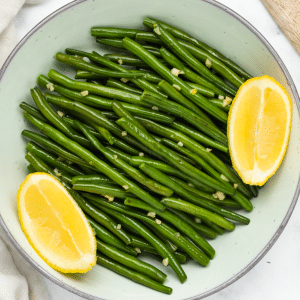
(218,26)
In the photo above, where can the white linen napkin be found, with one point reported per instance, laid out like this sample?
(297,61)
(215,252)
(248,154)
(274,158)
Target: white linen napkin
(8,38)
(18,279)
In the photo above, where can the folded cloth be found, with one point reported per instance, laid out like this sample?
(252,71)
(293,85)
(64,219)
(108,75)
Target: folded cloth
(8,38)
(18,279)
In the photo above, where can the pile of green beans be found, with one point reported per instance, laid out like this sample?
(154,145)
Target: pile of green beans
(143,151)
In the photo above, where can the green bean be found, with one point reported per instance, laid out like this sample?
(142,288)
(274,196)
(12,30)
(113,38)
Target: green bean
(201,162)
(162,249)
(147,37)
(57,121)
(99,102)
(109,115)
(107,237)
(198,149)
(199,185)
(54,148)
(190,161)
(107,190)
(162,70)
(95,101)
(204,230)
(113,33)
(94,161)
(93,88)
(174,94)
(167,169)
(182,258)
(91,178)
(162,237)
(105,220)
(33,111)
(81,74)
(151,76)
(92,100)
(186,37)
(120,153)
(198,212)
(145,246)
(128,60)
(173,158)
(95,116)
(117,142)
(177,222)
(131,171)
(98,216)
(140,243)
(202,89)
(214,63)
(106,134)
(129,229)
(188,73)
(142,83)
(131,262)
(224,157)
(189,116)
(161,165)
(52,160)
(30,169)
(111,82)
(213,226)
(122,112)
(94,81)
(161,227)
(83,65)
(219,103)
(197,192)
(240,198)
(254,190)
(120,144)
(95,57)
(60,173)
(133,275)
(188,58)
(197,136)
(212,209)
(117,43)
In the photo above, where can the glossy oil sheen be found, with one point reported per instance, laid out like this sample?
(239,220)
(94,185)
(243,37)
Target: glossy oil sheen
(236,252)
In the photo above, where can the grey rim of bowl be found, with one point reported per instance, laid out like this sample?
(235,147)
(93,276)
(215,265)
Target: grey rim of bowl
(282,225)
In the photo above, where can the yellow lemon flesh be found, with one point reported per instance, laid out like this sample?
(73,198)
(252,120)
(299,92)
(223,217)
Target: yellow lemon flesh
(54,224)
(259,126)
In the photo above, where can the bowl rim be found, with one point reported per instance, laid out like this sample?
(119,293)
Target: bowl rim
(281,227)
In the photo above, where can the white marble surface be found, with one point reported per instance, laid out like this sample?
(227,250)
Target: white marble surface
(277,275)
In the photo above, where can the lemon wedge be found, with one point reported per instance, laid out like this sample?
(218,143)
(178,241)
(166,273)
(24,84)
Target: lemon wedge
(259,125)
(54,224)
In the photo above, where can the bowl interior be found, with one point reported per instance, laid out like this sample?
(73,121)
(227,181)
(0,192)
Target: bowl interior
(236,252)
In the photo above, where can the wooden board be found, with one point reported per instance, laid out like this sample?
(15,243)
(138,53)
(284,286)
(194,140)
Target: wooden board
(286,13)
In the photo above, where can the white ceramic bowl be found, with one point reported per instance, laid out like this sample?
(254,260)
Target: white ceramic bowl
(218,26)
